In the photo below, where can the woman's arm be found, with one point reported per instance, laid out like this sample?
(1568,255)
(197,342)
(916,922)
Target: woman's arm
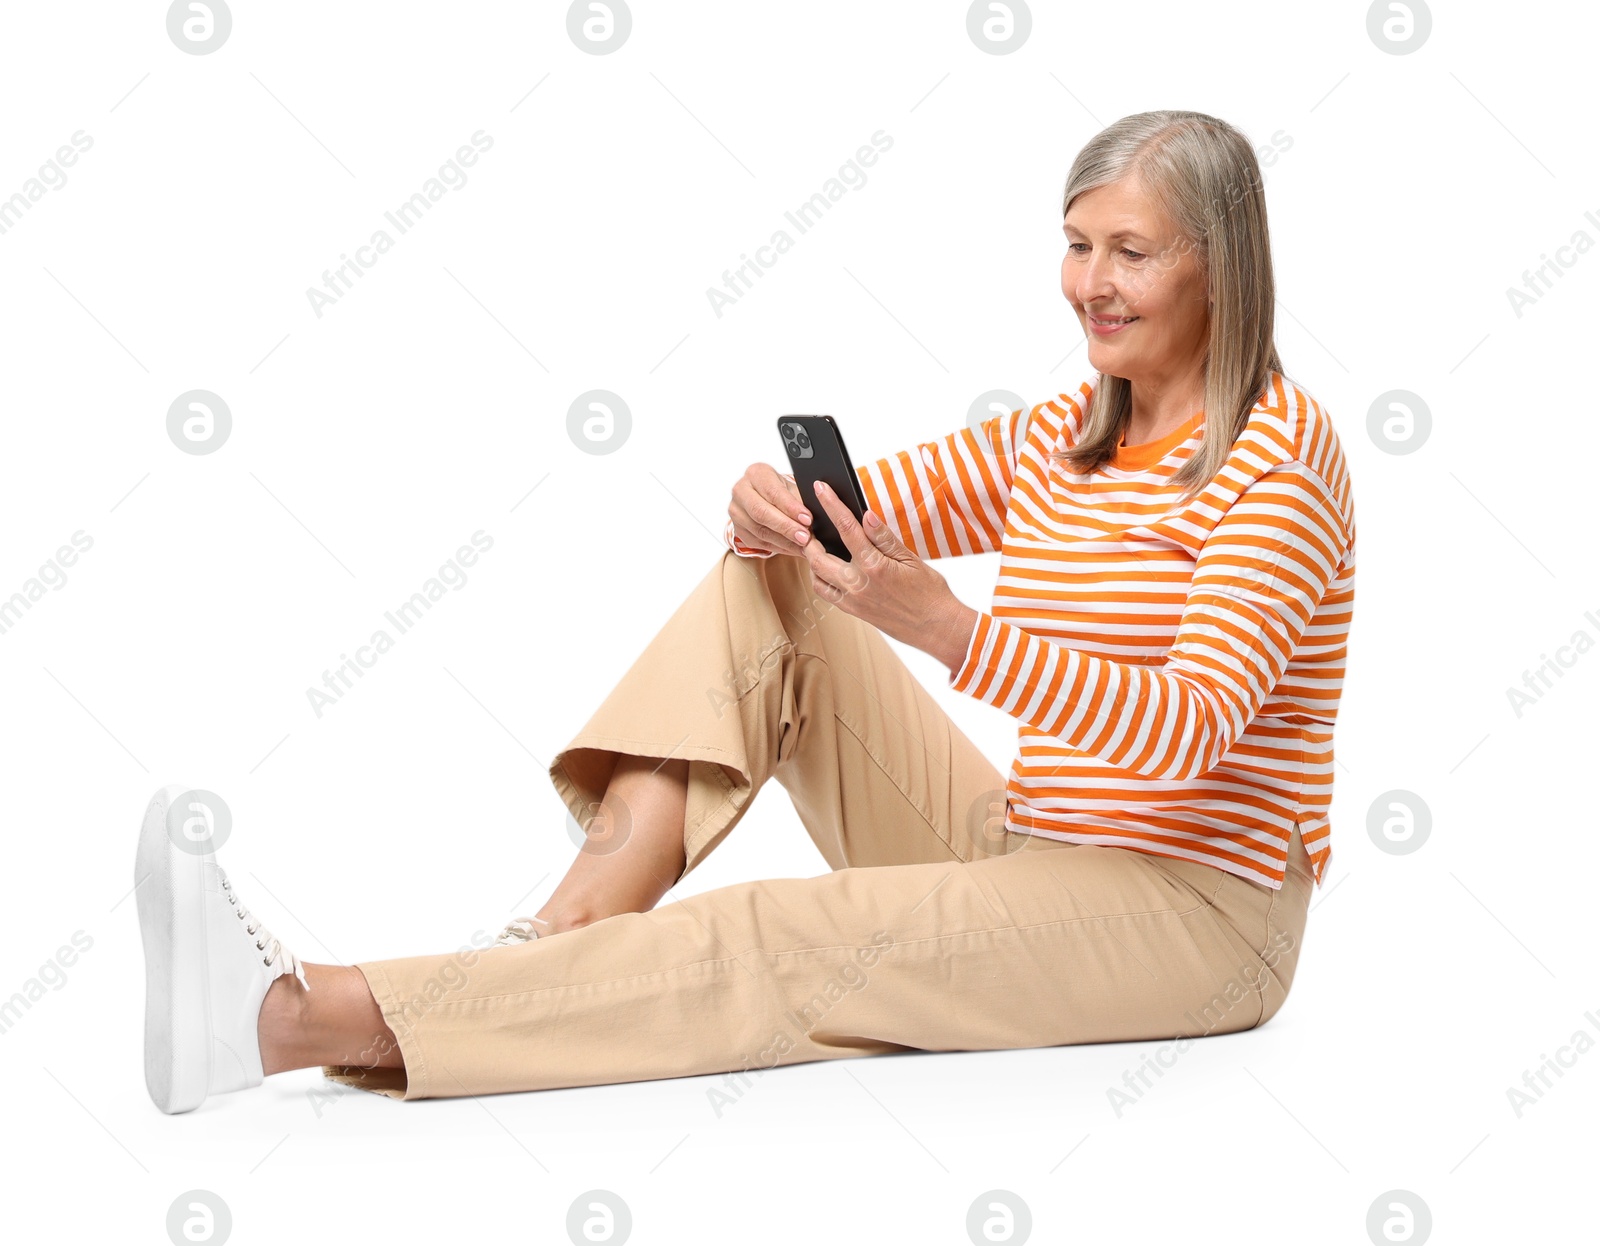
(948,497)
(1259,577)
(944,497)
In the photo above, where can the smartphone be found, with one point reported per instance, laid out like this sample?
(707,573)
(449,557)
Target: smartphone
(816,452)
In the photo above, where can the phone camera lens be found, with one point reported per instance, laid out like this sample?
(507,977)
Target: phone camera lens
(798,441)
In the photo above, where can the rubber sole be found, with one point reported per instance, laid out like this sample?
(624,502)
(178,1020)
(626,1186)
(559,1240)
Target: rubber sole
(169,885)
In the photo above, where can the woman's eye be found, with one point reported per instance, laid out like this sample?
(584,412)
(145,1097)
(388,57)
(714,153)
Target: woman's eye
(1072,249)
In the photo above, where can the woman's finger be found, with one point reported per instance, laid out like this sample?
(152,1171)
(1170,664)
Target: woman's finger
(747,528)
(780,492)
(767,511)
(781,525)
(844,521)
(827,569)
(823,587)
(779,539)
(763,538)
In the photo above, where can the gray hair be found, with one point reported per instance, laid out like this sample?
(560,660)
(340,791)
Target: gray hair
(1204,175)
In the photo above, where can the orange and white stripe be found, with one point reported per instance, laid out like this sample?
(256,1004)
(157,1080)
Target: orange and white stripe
(1175,669)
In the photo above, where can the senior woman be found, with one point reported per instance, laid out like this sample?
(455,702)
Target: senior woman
(1177,556)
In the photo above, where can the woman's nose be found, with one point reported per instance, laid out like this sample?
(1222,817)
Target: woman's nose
(1093,281)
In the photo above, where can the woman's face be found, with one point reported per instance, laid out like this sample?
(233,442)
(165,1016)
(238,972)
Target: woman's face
(1125,259)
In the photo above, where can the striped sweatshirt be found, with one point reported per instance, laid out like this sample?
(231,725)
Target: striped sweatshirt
(1174,668)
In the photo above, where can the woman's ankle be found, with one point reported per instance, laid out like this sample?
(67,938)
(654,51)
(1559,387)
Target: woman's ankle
(281,1022)
(337,1022)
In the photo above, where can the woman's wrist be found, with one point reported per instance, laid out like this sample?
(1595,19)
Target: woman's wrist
(957,636)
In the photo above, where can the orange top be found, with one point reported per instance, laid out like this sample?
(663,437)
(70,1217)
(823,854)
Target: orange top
(1175,667)
(1149,453)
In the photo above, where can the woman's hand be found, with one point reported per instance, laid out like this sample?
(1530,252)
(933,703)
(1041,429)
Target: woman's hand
(767,512)
(887,585)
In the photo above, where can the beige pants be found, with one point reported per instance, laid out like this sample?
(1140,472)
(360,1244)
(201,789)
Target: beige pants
(936,929)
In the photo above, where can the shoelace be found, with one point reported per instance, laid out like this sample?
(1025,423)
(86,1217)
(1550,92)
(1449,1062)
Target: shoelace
(519,931)
(274,953)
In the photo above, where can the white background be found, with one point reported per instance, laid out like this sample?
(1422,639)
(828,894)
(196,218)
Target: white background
(370,442)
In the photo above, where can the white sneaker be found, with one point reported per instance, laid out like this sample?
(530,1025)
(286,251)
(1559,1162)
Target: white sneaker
(208,963)
(519,931)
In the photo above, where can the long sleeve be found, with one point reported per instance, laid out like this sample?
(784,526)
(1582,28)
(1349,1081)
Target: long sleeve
(949,496)
(1259,576)
(944,497)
